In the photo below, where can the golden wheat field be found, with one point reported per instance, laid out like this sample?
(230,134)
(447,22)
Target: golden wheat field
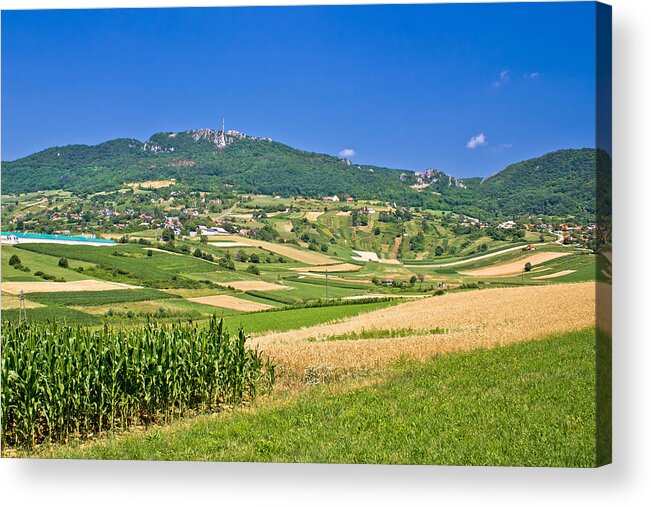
(313,215)
(231,302)
(476,319)
(514,267)
(245,285)
(555,275)
(74,286)
(333,268)
(305,256)
(11,302)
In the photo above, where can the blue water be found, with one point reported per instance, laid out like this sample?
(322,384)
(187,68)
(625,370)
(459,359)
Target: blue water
(80,239)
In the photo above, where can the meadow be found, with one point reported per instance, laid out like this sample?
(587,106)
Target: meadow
(386,360)
(529,404)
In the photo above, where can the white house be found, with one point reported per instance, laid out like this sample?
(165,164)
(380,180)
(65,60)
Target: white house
(212,231)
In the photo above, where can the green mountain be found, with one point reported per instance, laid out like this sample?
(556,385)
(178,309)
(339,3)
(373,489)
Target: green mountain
(561,183)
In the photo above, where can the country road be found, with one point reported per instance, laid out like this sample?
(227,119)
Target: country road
(227,212)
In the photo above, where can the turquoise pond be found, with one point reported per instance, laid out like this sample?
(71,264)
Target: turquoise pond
(60,237)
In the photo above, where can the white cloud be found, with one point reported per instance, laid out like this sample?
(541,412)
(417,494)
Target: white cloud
(347,153)
(532,75)
(504,78)
(478,140)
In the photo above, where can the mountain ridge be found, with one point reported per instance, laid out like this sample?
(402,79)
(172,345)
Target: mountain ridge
(561,182)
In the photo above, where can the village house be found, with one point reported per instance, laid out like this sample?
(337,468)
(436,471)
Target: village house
(212,231)
(331,198)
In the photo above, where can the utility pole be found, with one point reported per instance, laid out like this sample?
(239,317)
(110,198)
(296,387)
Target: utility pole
(22,311)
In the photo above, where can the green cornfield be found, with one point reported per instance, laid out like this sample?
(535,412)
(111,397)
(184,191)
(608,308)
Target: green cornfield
(61,381)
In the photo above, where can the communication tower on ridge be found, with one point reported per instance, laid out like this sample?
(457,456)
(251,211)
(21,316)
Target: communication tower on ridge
(222,135)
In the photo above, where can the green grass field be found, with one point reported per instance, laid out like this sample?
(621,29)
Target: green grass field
(94,298)
(284,320)
(529,404)
(39,262)
(132,260)
(54,314)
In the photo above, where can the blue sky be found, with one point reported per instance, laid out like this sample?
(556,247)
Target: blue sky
(466,89)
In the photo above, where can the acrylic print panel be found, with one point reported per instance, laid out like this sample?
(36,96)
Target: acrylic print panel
(378,234)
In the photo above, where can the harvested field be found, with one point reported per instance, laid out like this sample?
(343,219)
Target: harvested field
(142,307)
(386,296)
(476,319)
(227,244)
(333,277)
(555,275)
(344,213)
(194,293)
(255,285)
(514,267)
(79,285)
(231,302)
(305,256)
(372,257)
(333,268)
(152,184)
(11,302)
(313,215)
(396,246)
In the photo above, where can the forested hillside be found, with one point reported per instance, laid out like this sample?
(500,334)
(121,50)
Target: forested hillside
(558,183)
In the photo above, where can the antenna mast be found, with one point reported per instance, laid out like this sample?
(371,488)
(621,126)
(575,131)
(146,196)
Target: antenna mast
(222,136)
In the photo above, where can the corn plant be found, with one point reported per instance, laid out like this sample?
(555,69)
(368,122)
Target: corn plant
(61,381)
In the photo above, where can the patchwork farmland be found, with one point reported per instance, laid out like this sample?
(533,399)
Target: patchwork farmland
(326,303)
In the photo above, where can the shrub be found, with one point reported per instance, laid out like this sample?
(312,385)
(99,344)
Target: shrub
(253,269)
(227,263)
(527,267)
(63,262)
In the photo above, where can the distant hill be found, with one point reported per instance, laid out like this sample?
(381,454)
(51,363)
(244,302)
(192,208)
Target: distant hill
(558,182)
(196,159)
(562,182)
